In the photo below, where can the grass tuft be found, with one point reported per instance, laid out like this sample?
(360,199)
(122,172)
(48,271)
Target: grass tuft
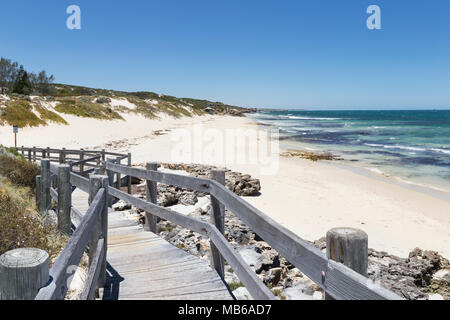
(18,170)
(234,285)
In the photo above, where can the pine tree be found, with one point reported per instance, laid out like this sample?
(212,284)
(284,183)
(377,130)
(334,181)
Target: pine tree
(23,84)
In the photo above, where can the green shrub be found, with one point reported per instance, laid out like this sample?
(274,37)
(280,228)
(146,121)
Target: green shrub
(19,171)
(103,100)
(21,226)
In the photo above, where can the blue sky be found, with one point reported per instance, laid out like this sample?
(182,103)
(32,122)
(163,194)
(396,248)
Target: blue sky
(303,54)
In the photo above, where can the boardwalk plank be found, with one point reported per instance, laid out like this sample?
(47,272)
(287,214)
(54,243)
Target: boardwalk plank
(143,266)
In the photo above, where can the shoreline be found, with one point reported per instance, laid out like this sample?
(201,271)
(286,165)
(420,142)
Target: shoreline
(363,168)
(380,175)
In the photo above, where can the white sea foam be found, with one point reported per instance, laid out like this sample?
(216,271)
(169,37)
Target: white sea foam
(376,170)
(397,146)
(446,151)
(307,118)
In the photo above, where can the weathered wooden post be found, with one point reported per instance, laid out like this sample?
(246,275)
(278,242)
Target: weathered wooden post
(23,150)
(118,182)
(98,182)
(62,156)
(64,198)
(22,273)
(34,154)
(29,155)
(110,175)
(81,159)
(38,192)
(101,170)
(218,219)
(43,154)
(45,186)
(348,246)
(103,155)
(48,153)
(129,177)
(151,221)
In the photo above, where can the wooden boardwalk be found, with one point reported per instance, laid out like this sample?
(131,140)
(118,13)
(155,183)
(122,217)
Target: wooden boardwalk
(142,265)
(136,264)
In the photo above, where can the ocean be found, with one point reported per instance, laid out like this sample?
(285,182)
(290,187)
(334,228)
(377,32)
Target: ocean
(413,146)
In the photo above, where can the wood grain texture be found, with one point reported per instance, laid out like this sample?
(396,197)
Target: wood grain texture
(349,246)
(94,273)
(64,198)
(152,196)
(218,220)
(45,186)
(79,182)
(22,273)
(98,183)
(72,252)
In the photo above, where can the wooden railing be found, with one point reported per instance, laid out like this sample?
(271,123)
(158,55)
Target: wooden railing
(337,280)
(85,160)
(90,230)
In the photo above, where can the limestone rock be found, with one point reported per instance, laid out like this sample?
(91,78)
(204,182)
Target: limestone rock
(242,293)
(121,206)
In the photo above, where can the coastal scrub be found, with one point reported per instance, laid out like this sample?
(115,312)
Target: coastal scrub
(21,225)
(83,107)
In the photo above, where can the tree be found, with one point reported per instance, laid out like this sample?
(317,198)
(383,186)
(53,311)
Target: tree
(16,79)
(4,65)
(8,73)
(23,84)
(43,82)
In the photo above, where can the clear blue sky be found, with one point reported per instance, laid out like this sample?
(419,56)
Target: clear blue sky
(251,53)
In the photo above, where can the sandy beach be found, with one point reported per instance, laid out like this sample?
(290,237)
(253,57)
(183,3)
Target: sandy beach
(307,197)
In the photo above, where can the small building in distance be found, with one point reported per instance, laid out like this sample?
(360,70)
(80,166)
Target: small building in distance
(209,110)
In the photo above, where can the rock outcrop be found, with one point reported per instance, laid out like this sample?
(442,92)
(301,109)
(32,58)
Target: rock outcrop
(241,184)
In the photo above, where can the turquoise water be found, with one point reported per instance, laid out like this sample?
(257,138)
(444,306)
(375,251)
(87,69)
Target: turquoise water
(411,145)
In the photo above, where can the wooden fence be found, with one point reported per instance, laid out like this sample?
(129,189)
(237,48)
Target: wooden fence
(83,162)
(336,279)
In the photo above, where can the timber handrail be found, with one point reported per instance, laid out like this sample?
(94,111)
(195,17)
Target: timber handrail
(73,251)
(337,280)
(256,288)
(85,161)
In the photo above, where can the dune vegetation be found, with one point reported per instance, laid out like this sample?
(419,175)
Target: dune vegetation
(21,225)
(84,107)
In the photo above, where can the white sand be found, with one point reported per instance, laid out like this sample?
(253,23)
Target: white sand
(307,197)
